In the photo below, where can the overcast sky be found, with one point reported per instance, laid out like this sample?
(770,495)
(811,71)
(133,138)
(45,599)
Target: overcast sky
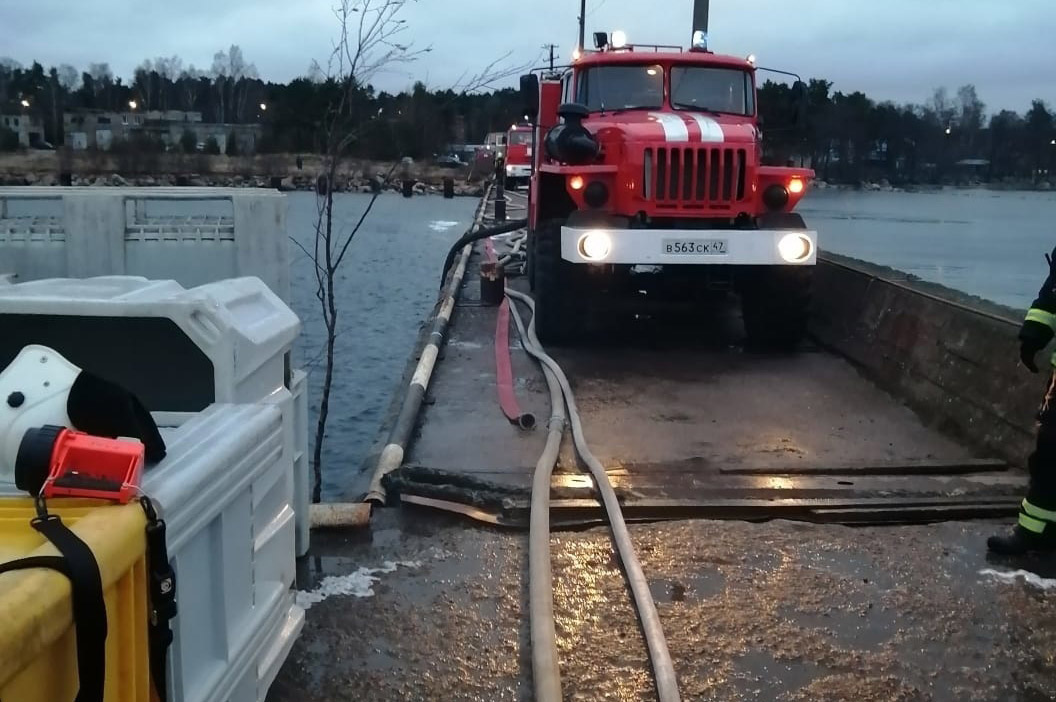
(891,49)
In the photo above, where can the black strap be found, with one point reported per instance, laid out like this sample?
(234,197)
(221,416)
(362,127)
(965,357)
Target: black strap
(162,597)
(53,562)
(89,609)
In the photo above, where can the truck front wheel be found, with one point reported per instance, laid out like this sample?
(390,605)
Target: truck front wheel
(556,288)
(775,300)
(775,304)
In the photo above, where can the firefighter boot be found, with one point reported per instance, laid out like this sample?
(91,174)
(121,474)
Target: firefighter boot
(1036,531)
(1019,542)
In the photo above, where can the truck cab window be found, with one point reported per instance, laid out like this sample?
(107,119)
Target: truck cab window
(566,87)
(621,87)
(726,90)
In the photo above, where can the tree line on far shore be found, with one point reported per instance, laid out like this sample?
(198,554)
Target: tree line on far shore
(849,138)
(846,137)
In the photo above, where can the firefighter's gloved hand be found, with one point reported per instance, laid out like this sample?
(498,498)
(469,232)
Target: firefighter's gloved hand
(1033,337)
(1047,294)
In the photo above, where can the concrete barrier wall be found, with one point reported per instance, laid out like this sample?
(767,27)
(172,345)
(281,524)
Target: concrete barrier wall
(952,358)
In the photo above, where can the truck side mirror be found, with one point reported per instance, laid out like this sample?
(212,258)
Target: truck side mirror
(530,95)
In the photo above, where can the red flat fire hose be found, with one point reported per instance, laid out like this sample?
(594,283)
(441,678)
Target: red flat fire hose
(503,361)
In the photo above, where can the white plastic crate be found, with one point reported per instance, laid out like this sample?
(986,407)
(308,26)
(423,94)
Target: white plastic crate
(179,350)
(191,235)
(210,364)
(225,490)
(302,479)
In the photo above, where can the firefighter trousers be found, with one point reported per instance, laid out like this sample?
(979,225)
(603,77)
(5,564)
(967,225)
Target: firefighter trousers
(1038,512)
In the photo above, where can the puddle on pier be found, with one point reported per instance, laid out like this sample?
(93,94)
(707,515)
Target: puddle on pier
(698,586)
(761,676)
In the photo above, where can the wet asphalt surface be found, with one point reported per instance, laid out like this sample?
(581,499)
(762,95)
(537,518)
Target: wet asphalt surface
(772,611)
(779,610)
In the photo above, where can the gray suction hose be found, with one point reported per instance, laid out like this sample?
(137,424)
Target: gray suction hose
(546,672)
(663,667)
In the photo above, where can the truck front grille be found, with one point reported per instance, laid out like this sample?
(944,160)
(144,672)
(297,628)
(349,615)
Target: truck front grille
(694,178)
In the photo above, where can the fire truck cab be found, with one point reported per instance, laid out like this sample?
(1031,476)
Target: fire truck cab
(648,177)
(519,154)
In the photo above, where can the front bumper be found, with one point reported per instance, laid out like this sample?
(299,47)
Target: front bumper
(738,247)
(518,171)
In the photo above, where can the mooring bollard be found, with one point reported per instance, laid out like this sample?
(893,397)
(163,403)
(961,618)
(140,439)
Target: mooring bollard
(500,199)
(492,283)
(408,188)
(449,188)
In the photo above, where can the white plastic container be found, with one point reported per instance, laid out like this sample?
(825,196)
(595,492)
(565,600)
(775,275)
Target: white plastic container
(226,492)
(210,364)
(179,350)
(191,235)
(302,479)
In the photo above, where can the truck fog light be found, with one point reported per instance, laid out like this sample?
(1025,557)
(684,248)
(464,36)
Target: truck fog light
(595,245)
(775,197)
(596,194)
(795,248)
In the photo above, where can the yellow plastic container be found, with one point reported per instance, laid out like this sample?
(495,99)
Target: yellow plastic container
(38,654)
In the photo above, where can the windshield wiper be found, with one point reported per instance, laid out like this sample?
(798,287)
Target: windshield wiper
(698,108)
(618,110)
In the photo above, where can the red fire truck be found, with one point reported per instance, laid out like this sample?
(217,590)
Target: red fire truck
(649,178)
(519,154)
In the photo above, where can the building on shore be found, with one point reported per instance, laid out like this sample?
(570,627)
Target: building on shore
(28,127)
(99,129)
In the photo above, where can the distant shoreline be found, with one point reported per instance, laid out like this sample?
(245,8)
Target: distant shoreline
(291,171)
(884,187)
(285,172)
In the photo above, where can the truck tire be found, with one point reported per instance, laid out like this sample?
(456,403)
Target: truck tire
(556,291)
(775,300)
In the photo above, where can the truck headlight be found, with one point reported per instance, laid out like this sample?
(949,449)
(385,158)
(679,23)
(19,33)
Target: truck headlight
(795,248)
(595,245)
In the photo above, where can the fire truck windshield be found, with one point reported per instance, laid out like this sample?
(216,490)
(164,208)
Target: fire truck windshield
(621,87)
(520,138)
(708,89)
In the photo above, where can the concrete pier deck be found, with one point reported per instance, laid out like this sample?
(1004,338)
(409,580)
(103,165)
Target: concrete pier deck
(688,423)
(749,468)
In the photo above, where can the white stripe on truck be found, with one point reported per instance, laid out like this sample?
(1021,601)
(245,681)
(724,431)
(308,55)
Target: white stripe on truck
(710,130)
(674,128)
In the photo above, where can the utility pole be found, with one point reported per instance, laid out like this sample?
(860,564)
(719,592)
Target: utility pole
(583,23)
(551,48)
(700,15)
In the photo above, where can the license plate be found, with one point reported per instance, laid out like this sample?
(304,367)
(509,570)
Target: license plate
(695,247)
